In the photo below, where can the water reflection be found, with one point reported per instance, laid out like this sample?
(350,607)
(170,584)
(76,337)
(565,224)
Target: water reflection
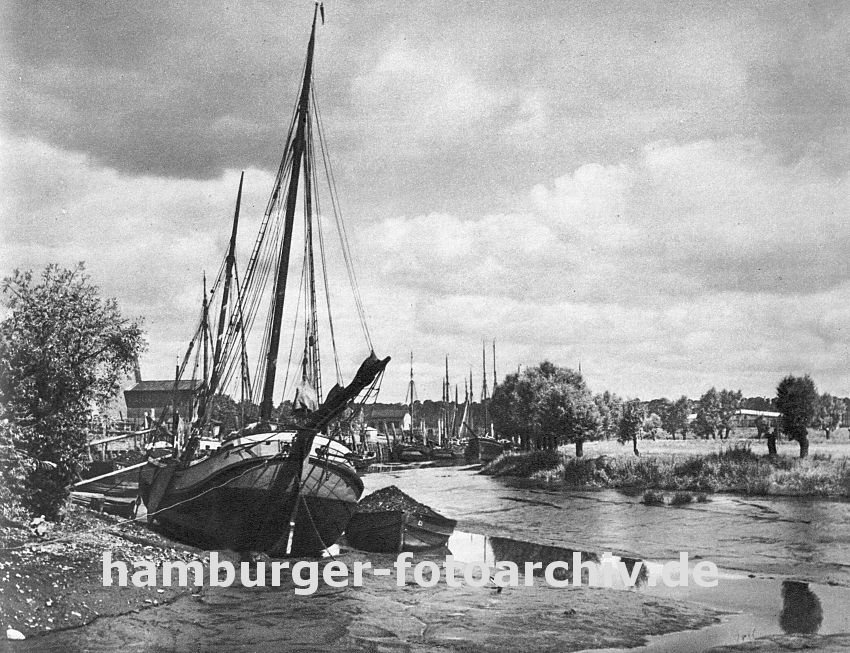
(596,571)
(801,608)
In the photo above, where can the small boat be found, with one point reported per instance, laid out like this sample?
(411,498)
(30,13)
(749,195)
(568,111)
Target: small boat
(393,531)
(410,452)
(363,460)
(113,481)
(390,521)
(489,449)
(442,453)
(480,447)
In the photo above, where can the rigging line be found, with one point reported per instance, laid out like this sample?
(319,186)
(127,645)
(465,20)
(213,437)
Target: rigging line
(312,352)
(294,332)
(324,268)
(337,210)
(230,362)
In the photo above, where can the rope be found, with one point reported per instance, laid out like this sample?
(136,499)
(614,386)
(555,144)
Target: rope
(343,236)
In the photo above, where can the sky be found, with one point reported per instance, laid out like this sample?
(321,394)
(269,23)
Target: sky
(657,191)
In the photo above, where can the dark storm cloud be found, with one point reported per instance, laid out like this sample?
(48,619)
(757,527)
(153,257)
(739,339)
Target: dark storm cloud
(190,89)
(657,188)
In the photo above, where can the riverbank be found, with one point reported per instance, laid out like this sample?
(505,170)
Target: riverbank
(54,582)
(381,616)
(733,466)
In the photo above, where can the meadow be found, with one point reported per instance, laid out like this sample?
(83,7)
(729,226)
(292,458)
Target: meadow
(739,465)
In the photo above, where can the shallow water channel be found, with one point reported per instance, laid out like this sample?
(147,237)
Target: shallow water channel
(784,567)
(784,562)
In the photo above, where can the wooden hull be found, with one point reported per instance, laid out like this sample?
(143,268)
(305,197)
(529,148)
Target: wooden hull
(482,450)
(121,484)
(393,531)
(119,506)
(240,497)
(411,453)
(442,453)
(489,449)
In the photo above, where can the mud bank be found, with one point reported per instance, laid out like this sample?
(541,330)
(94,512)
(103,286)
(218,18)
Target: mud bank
(780,643)
(380,616)
(55,583)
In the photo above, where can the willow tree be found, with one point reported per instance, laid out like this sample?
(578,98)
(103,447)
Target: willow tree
(631,423)
(796,399)
(546,406)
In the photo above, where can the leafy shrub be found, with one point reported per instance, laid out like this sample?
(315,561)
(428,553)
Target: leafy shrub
(681,499)
(653,498)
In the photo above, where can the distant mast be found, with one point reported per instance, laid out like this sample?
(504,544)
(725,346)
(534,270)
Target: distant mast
(410,398)
(494,366)
(484,396)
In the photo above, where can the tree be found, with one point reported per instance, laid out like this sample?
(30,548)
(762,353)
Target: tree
(762,426)
(828,413)
(566,413)
(651,426)
(631,423)
(512,406)
(660,407)
(758,403)
(796,399)
(546,405)
(63,350)
(708,414)
(677,417)
(610,408)
(730,402)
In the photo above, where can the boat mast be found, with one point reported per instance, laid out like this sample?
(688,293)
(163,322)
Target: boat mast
(484,386)
(230,262)
(411,393)
(311,368)
(297,148)
(494,366)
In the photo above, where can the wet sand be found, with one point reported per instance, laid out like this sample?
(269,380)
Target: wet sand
(48,586)
(379,616)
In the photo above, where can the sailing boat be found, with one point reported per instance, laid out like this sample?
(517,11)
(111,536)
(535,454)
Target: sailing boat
(411,450)
(284,489)
(443,450)
(484,446)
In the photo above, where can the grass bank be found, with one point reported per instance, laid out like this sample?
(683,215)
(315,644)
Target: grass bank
(735,469)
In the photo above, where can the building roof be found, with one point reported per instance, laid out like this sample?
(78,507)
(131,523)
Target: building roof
(386,413)
(164,386)
(757,413)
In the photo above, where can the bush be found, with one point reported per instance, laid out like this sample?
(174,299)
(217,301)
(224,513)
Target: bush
(681,499)
(653,498)
(523,464)
(12,473)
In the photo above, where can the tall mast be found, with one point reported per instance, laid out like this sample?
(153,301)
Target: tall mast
(484,386)
(484,369)
(205,326)
(494,366)
(411,395)
(311,344)
(297,148)
(230,262)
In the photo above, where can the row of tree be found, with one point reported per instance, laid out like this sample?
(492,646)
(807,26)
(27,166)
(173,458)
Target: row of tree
(546,406)
(63,349)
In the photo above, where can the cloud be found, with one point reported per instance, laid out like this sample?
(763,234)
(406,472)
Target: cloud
(700,261)
(660,191)
(145,240)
